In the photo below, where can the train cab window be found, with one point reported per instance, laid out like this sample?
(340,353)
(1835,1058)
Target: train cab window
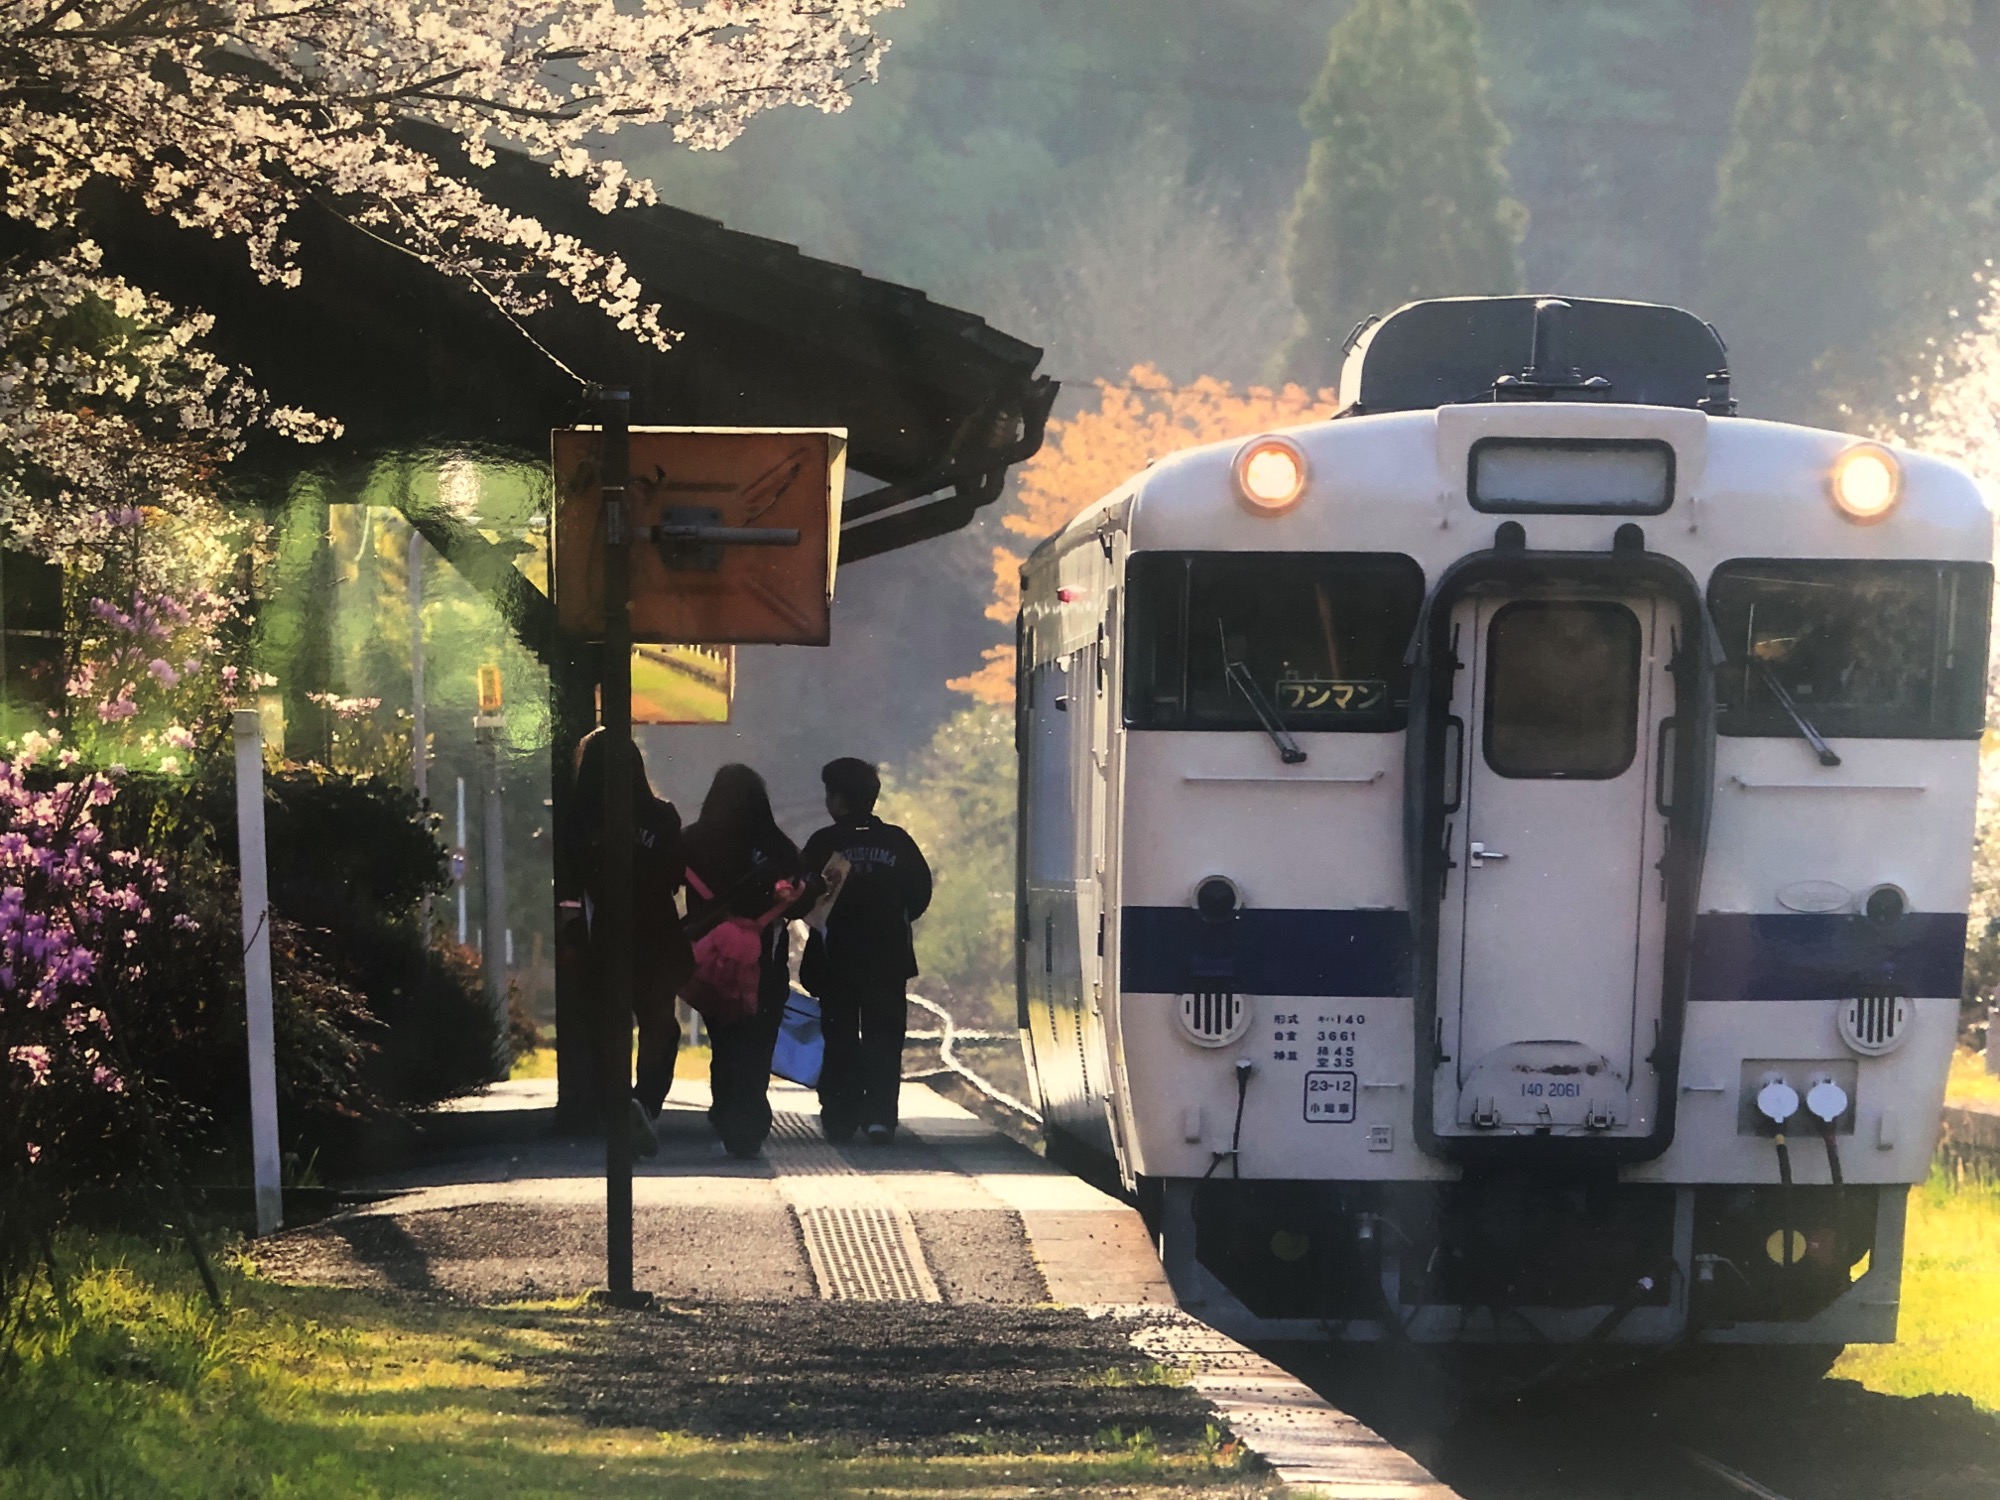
(1562,689)
(1864,650)
(1321,634)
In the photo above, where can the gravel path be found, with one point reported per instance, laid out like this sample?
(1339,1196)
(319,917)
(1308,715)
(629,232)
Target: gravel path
(919,1378)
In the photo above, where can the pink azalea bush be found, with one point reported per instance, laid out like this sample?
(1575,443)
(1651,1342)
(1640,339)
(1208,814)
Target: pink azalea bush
(72,911)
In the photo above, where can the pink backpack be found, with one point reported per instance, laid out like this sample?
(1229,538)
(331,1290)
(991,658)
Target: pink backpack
(728,961)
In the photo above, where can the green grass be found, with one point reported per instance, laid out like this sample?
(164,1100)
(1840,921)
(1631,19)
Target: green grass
(134,1388)
(1969,1082)
(1949,1337)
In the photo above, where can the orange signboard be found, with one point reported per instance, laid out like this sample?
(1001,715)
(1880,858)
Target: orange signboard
(719,479)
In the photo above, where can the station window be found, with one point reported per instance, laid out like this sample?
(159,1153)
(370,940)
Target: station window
(1865,650)
(1321,634)
(1562,689)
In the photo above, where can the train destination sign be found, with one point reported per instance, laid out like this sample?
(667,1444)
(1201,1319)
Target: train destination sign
(734,533)
(1332,695)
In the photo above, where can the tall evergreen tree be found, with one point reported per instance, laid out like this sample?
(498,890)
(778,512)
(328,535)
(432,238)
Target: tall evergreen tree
(1405,193)
(1854,207)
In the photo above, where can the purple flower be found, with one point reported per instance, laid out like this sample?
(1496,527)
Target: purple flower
(35,1059)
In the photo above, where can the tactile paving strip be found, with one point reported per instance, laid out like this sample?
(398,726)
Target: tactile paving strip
(861,1244)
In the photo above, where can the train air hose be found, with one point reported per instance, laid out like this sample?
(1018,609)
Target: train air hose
(1827,1102)
(1778,1101)
(1234,1155)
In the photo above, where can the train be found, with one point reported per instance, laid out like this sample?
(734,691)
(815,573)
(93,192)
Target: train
(1493,863)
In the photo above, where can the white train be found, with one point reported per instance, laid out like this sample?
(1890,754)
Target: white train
(1494,864)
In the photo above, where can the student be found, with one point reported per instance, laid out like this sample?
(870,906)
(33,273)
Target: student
(863,963)
(743,873)
(662,958)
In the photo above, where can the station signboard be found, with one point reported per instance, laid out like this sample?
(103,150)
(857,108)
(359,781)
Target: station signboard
(711,480)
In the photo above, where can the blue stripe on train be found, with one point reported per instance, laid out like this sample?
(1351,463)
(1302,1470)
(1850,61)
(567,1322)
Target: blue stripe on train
(1737,956)
(1171,950)
(1825,955)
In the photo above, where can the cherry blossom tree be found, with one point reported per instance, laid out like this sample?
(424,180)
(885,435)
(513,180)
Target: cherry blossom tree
(231,117)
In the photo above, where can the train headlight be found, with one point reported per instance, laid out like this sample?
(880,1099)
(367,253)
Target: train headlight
(1271,474)
(1866,481)
(1217,898)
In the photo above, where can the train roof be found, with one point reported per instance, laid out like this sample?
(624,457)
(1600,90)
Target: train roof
(1460,349)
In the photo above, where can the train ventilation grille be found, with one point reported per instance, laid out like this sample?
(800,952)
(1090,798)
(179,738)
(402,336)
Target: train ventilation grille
(1874,1024)
(1214,1018)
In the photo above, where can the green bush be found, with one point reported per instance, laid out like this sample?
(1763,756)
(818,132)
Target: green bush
(369,1018)
(956,797)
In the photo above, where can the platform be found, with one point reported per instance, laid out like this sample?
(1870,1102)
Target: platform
(953,1213)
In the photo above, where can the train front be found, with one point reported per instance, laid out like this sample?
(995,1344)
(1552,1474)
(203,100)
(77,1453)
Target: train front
(1532,846)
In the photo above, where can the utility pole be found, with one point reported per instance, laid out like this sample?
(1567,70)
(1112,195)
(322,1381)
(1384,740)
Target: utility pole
(614,916)
(420,758)
(486,730)
(458,863)
(420,750)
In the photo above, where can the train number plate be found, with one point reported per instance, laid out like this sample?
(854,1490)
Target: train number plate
(1329,1098)
(1333,695)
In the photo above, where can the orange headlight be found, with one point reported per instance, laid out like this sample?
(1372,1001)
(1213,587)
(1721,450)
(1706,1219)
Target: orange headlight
(1271,474)
(1866,482)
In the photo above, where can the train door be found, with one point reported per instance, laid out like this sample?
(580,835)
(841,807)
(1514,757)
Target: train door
(1048,869)
(1554,912)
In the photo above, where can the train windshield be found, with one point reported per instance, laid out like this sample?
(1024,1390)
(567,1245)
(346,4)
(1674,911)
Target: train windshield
(1865,650)
(1322,634)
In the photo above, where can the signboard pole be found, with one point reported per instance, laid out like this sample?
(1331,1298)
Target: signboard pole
(614,917)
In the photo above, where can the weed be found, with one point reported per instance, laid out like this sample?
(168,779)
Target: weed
(1150,1373)
(1949,1329)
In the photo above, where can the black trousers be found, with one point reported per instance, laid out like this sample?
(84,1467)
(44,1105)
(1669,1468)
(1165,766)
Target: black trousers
(862,1076)
(659,1046)
(739,1066)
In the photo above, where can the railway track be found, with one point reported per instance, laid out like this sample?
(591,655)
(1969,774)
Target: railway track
(1735,1479)
(1634,1436)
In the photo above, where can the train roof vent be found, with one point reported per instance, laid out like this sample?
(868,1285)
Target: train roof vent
(1214,1018)
(1460,349)
(1875,1024)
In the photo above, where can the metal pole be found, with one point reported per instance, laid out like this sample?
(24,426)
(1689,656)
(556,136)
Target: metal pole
(493,872)
(249,733)
(420,750)
(420,760)
(462,851)
(614,918)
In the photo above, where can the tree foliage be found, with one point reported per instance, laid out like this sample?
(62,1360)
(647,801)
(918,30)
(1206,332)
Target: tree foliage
(1405,194)
(956,798)
(232,117)
(1854,207)
(1085,458)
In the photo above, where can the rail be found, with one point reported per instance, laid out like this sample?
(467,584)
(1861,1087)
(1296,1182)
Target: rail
(947,1036)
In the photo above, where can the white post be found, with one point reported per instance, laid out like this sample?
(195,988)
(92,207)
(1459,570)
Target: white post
(257,969)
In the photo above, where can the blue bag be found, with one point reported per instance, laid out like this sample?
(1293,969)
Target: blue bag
(801,1049)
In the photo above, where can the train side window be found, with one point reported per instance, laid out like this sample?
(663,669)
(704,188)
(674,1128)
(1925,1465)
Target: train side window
(1562,689)
(1866,650)
(1323,634)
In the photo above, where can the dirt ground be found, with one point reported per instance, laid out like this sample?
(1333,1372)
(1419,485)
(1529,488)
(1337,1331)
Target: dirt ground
(907,1377)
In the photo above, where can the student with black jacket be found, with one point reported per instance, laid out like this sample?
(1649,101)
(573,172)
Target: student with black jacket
(661,955)
(861,966)
(740,865)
